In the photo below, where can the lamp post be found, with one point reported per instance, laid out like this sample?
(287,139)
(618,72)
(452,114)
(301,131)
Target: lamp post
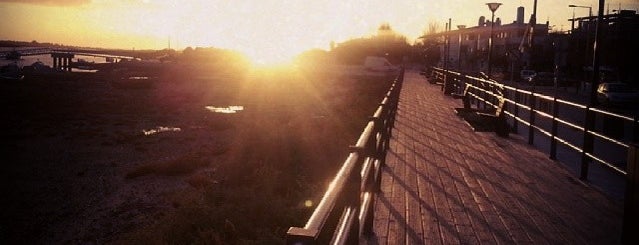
(459,47)
(493,7)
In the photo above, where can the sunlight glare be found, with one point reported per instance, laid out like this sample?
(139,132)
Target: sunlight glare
(266,55)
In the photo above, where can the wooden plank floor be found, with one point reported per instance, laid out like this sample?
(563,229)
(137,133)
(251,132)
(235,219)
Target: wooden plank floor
(445,184)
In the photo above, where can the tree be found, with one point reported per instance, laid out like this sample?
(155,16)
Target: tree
(385,43)
(431,43)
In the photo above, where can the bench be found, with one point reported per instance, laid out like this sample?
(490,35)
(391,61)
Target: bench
(492,120)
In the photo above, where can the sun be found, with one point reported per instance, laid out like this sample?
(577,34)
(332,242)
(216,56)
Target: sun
(269,55)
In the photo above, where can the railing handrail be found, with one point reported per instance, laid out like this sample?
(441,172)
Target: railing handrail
(346,209)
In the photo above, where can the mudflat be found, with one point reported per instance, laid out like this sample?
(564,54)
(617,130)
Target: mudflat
(88,162)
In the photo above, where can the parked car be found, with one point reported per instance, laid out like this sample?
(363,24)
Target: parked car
(525,74)
(616,93)
(542,78)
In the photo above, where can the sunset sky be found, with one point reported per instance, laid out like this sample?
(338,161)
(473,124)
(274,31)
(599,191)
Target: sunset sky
(259,28)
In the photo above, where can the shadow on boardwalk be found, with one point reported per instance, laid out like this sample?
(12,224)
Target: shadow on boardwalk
(445,184)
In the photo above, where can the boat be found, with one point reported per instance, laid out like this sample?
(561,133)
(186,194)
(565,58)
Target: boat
(11,72)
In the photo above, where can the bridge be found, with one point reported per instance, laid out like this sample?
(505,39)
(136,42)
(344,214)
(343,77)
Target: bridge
(421,173)
(61,57)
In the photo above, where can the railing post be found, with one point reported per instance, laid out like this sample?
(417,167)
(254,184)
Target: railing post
(553,131)
(483,95)
(588,143)
(395,99)
(493,89)
(449,83)
(380,152)
(384,133)
(353,193)
(461,83)
(370,182)
(517,99)
(475,93)
(635,129)
(444,78)
(631,199)
(531,127)
(445,82)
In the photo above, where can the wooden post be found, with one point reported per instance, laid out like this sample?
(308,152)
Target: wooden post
(517,99)
(635,129)
(475,100)
(353,194)
(631,200)
(588,143)
(531,128)
(553,131)
(449,84)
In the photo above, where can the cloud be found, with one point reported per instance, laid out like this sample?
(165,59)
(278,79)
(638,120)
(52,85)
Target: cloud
(50,2)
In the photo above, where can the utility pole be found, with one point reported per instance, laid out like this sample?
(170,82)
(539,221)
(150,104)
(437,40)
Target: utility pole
(448,40)
(595,54)
(533,23)
(459,48)
(493,7)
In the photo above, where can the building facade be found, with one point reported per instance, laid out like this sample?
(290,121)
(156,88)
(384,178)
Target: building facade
(569,55)
(619,47)
(466,48)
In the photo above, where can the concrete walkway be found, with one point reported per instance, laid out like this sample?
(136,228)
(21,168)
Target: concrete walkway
(445,184)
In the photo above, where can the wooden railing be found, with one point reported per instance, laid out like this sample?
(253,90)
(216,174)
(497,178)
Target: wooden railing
(555,118)
(576,127)
(345,212)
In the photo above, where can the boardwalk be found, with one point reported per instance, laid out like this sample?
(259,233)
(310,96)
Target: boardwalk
(445,184)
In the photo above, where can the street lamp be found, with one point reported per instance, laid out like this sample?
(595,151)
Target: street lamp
(580,6)
(493,7)
(573,17)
